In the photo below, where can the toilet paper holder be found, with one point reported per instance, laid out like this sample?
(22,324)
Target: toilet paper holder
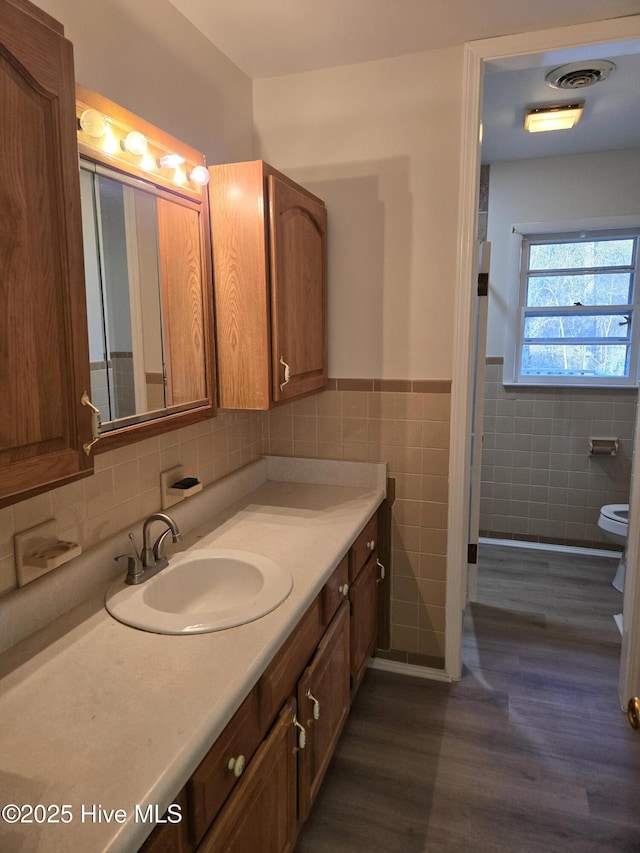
(607,446)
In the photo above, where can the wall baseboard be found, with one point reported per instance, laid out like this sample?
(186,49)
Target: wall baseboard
(409,669)
(550,546)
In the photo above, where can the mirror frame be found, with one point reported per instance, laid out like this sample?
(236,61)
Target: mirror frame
(91,148)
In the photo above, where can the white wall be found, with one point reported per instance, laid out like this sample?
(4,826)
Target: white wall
(380,142)
(147,57)
(537,195)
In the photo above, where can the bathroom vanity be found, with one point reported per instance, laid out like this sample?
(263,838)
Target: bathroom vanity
(119,724)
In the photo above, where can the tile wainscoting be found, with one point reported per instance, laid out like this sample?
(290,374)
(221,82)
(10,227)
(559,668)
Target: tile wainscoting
(125,487)
(405,424)
(401,422)
(539,483)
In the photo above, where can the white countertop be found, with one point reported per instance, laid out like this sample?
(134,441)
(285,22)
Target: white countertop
(94,713)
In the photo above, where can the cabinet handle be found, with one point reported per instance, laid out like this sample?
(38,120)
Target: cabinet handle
(95,423)
(383,572)
(316,705)
(237,765)
(302,733)
(287,373)
(344,589)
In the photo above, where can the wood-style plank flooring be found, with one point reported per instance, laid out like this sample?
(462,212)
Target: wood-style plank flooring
(528,752)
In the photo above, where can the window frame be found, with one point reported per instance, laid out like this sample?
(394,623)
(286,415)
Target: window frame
(632,309)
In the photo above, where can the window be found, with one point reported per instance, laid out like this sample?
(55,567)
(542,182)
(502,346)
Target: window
(577,309)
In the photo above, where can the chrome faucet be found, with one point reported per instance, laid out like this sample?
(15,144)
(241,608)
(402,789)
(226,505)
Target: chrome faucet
(152,557)
(151,560)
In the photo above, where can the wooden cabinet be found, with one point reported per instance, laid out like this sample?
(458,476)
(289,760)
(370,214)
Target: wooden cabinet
(44,360)
(364,572)
(323,706)
(260,816)
(362,549)
(223,766)
(270,284)
(257,784)
(363,598)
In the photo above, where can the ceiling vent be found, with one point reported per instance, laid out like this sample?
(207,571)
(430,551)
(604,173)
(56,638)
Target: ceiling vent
(577,75)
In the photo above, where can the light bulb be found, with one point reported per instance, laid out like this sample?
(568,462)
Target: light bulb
(199,176)
(93,123)
(135,143)
(170,161)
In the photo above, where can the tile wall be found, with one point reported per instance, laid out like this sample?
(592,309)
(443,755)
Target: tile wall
(125,487)
(403,423)
(539,482)
(406,425)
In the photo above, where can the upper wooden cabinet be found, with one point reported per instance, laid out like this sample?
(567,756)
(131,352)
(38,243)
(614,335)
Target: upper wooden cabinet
(270,285)
(44,361)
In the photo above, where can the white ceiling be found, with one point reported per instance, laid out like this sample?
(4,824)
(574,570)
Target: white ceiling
(280,37)
(267,39)
(611,118)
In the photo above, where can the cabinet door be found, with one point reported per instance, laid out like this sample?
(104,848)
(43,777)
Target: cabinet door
(44,360)
(298,235)
(323,706)
(363,597)
(260,815)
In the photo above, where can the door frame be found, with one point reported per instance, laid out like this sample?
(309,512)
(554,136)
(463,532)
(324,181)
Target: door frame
(475,54)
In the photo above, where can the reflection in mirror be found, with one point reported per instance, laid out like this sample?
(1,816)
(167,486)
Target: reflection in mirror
(141,300)
(145,213)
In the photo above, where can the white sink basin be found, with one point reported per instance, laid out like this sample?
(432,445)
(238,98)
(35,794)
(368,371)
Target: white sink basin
(201,591)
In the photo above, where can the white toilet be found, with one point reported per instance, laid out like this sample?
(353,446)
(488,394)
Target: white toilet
(613,521)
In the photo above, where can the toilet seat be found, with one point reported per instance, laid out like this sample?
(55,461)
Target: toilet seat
(614,523)
(617,512)
(614,518)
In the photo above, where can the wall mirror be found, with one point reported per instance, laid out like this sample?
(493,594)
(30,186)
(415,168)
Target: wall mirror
(147,268)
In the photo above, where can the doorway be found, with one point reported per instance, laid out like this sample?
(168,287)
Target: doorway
(549,46)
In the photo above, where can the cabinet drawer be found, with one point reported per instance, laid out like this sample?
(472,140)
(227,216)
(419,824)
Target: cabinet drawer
(260,815)
(363,547)
(213,780)
(335,590)
(279,679)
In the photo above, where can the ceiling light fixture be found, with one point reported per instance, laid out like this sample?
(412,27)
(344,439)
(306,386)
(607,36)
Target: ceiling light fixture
(556,117)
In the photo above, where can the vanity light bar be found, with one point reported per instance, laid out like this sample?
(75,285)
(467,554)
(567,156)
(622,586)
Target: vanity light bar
(110,136)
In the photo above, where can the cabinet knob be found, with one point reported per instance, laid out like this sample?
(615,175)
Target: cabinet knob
(316,705)
(371,545)
(344,589)
(302,733)
(237,765)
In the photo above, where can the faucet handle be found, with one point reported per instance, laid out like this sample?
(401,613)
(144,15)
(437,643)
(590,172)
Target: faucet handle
(135,570)
(136,551)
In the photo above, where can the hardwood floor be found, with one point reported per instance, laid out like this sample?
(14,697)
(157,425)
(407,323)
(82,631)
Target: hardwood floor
(528,752)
